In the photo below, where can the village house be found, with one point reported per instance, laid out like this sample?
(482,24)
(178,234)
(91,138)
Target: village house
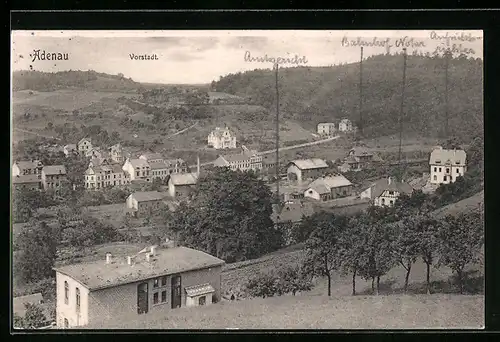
(358,158)
(98,162)
(53,176)
(164,168)
(137,169)
(154,280)
(303,169)
(27,167)
(152,157)
(386,191)
(345,125)
(84,145)
(329,188)
(104,176)
(222,138)
(243,161)
(182,184)
(70,150)
(144,202)
(447,165)
(327,128)
(94,152)
(31,182)
(116,153)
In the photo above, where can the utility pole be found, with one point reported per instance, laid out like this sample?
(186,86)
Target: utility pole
(361,93)
(277,141)
(446,61)
(401,113)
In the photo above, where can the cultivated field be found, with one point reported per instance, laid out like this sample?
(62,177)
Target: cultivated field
(318,312)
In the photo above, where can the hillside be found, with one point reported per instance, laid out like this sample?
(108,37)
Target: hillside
(467,204)
(318,312)
(318,94)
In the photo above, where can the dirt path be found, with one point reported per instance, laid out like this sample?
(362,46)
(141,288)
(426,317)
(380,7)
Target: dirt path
(37,134)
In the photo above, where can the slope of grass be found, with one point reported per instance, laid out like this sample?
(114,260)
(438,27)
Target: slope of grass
(314,312)
(467,204)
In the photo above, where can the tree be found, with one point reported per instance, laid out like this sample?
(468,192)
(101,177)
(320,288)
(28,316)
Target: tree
(404,246)
(461,238)
(294,279)
(37,252)
(426,229)
(34,316)
(322,247)
(228,215)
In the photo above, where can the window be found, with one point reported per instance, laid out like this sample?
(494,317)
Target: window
(202,300)
(391,192)
(156,282)
(445,178)
(155,298)
(447,170)
(163,296)
(66,292)
(391,202)
(435,169)
(439,169)
(77,299)
(458,170)
(138,173)
(435,178)
(66,323)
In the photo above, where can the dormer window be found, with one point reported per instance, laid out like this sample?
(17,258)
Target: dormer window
(438,161)
(457,162)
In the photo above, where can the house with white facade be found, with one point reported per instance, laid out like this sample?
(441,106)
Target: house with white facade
(27,167)
(84,145)
(447,165)
(327,128)
(152,157)
(386,191)
(105,176)
(53,176)
(181,185)
(137,169)
(144,202)
(222,138)
(116,153)
(345,125)
(243,161)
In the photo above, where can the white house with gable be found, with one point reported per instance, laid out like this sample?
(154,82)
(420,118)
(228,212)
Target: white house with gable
(221,138)
(447,165)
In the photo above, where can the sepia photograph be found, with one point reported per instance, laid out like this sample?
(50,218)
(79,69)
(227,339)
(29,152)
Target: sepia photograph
(247,179)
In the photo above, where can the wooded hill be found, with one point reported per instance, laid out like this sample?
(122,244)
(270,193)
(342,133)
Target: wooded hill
(321,94)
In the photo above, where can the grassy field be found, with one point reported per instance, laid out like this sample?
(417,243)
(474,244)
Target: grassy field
(318,312)
(464,205)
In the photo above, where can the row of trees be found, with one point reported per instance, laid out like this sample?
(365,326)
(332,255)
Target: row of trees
(372,243)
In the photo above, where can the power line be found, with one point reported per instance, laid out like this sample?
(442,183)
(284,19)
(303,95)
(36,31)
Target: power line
(446,127)
(401,113)
(277,140)
(361,93)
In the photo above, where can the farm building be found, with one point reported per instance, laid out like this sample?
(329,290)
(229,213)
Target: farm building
(328,188)
(303,169)
(222,138)
(447,165)
(144,202)
(153,280)
(386,191)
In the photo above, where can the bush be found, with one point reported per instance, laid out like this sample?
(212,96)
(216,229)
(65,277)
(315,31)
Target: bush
(289,280)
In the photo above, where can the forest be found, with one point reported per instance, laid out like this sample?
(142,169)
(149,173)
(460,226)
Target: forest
(322,94)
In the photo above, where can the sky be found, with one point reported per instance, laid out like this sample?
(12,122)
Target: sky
(195,57)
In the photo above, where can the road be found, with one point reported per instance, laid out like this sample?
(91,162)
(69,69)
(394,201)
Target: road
(182,130)
(37,134)
(285,148)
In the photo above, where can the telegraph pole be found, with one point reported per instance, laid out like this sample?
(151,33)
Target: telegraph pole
(446,61)
(277,141)
(401,113)
(361,93)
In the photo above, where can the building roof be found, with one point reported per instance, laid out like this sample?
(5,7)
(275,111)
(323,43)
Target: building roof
(293,212)
(83,139)
(219,132)
(144,196)
(136,162)
(199,290)
(326,123)
(23,179)
(159,165)
(18,302)
(383,184)
(345,120)
(183,179)
(324,185)
(116,168)
(27,164)
(54,170)
(70,147)
(150,156)
(97,274)
(441,156)
(360,151)
(308,164)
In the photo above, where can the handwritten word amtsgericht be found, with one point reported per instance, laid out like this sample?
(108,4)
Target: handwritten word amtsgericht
(48,56)
(276,60)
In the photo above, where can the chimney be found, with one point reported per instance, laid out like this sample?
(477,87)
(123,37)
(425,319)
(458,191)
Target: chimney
(153,250)
(389,180)
(148,257)
(198,166)
(129,260)
(108,258)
